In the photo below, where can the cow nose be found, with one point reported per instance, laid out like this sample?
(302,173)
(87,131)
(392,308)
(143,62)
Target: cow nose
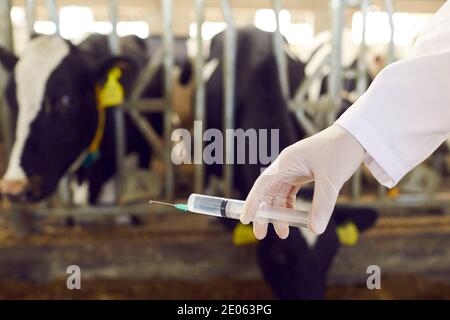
(12,187)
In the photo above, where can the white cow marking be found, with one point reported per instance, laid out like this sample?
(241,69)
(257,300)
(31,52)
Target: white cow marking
(41,57)
(209,68)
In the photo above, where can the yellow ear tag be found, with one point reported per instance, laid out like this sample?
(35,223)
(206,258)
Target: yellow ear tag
(112,93)
(243,235)
(393,193)
(348,234)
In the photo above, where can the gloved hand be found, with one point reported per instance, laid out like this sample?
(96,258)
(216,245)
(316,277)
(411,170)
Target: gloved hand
(329,158)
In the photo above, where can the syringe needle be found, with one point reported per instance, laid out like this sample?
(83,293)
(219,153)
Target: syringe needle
(179,206)
(163,203)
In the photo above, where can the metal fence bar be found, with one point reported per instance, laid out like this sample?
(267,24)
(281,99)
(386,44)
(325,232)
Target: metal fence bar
(389,7)
(6,41)
(229,75)
(147,74)
(149,133)
(119,121)
(361,87)
(158,105)
(113,39)
(199,98)
(145,105)
(167,7)
(279,52)
(30,15)
(300,105)
(335,79)
(52,9)
(6,29)
(362,81)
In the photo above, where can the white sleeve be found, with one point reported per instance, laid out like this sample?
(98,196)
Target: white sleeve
(405,114)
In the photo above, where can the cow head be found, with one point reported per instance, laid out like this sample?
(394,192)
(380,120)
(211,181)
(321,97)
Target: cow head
(51,92)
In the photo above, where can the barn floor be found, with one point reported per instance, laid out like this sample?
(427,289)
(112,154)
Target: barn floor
(190,257)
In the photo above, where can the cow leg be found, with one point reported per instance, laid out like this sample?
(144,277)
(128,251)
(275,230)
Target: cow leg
(100,173)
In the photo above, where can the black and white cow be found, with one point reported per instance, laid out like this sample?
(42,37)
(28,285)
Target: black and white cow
(295,268)
(51,92)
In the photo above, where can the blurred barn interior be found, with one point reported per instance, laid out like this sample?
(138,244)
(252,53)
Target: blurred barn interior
(187,60)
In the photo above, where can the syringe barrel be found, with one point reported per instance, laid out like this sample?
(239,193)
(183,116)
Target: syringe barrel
(231,208)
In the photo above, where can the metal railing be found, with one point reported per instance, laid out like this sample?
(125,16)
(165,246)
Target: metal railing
(6,41)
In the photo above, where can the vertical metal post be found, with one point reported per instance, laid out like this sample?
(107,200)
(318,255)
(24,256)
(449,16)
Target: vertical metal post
(361,84)
(52,9)
(335,78)
(30,15)
(199,99)
(119,120)
(361,87)
(6,41)
(229,94)
(167,6)
(279,53)
(113,17)
(6,35)
(389,7)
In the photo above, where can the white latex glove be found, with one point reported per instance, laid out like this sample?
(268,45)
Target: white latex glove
(330,158)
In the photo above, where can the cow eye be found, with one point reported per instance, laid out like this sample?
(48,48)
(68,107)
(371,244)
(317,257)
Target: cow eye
(65,101)
(63,104)
(58,105)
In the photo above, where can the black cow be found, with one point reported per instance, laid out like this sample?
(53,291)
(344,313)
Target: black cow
(52,93)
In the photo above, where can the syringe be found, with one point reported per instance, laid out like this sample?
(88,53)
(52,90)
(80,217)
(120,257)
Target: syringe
(232,208)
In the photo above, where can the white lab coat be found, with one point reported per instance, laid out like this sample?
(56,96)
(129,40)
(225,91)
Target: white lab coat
(405,114)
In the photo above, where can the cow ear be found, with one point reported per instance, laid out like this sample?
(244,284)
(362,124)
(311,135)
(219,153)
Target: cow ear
(128,67)
(7,59)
